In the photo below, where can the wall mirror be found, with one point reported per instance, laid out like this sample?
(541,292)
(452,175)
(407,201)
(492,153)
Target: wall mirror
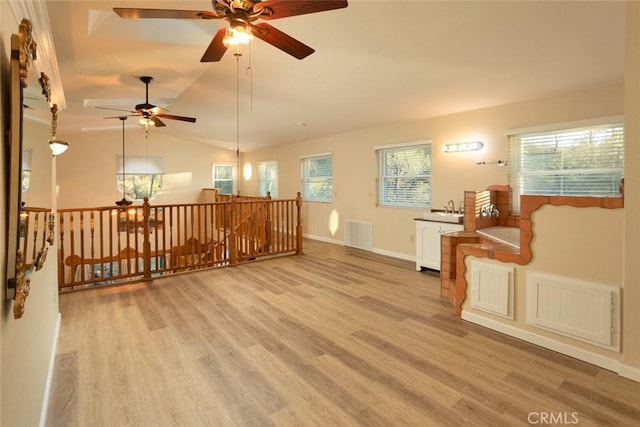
(23,50)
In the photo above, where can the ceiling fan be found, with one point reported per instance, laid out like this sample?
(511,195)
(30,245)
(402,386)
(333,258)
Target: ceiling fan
(150,112)
(241,15)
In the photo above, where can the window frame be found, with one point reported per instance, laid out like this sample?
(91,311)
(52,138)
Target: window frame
(515,159)
(233,179)
(382,200)
(306,180)
(264,182)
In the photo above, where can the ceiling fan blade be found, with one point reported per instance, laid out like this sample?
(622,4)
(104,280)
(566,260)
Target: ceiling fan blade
(216,48)
(282,41)
(181,118)
(115,109)
(117,117)
(156,121)
(275,9)
(133,13)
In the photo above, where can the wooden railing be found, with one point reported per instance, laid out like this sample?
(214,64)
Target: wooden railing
(117,244)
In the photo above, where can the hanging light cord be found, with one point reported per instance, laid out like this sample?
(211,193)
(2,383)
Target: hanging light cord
(237,55)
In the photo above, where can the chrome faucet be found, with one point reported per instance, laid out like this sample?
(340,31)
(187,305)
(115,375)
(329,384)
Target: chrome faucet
(451,207)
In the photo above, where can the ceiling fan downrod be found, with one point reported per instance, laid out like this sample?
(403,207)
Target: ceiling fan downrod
(124,201)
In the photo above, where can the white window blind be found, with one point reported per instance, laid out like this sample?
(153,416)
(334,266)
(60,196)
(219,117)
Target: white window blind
(141,176)
(224,178)
(404,176)
(268,178)
(140,165)
(586,161)
(317,176)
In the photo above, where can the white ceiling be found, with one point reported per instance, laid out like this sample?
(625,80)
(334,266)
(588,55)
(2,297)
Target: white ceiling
(376,63)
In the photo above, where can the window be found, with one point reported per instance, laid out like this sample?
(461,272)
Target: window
(26,169)
(223,176)
(317,173)
(404,175)
(268,178)
(579,161)
(142,176)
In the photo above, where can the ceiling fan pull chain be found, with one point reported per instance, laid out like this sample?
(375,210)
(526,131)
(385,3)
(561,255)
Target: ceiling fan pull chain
(249,71)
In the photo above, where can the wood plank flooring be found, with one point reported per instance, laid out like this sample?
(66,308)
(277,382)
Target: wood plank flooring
(335,337)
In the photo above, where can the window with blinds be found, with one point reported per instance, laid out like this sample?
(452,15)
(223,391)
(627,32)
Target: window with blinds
(585,161)
(223,177)
(141,176)
(268,178)
(317,178)
(404,175)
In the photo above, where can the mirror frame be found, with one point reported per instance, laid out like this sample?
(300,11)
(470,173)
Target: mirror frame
(23,49)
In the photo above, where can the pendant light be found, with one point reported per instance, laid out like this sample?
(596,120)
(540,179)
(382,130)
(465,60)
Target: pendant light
(124,201)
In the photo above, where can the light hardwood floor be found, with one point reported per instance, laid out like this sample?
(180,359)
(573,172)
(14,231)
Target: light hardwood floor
(335,337)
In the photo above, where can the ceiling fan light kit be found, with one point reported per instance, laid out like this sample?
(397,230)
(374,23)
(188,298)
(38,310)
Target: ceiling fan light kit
(238,35)
(241,15)
(150,114)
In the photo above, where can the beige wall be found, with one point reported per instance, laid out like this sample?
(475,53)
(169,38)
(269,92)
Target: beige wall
(453,173)
(87,171)
(28,343)
(631,324)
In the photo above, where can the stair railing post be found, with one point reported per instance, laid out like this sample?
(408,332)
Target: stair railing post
(146,245)
(299,223)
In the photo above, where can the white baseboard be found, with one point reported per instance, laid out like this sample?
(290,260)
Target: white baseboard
(629,372)
(52,363)
(394,255)
(322,239)
(376,251)
(551,344)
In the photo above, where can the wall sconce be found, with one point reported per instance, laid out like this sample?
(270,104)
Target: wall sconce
(247,171)
(463,146)
(58,146)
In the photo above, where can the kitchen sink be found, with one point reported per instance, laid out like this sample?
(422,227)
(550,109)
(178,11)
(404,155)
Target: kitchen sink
(438,216)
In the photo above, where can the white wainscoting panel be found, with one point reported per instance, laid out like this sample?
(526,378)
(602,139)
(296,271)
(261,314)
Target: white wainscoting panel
(492,288)
(585,311)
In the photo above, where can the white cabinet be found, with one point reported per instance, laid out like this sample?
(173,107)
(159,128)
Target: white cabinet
(428,242)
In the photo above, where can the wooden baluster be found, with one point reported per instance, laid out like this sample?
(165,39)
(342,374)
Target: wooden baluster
(61,275)
(174,261)
(136,223)
(233,254)
(299,223)
(82,247)
(146,214)
(101,214)
(92,229)
(113,232)
(72,238)
(122,228)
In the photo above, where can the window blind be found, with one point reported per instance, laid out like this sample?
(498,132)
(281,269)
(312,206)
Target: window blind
(140,165)
(268,178)
(317,174)
(586,161)
(404,176)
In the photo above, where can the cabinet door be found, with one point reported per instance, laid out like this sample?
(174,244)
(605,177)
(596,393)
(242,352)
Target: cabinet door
(430,245)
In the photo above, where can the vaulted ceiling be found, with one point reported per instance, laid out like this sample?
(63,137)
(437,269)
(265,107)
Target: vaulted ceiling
(376,63)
